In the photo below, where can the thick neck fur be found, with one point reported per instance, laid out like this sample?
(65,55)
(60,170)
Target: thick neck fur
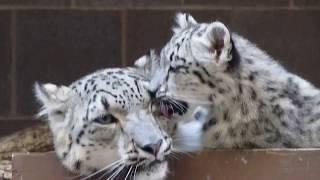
(280,99)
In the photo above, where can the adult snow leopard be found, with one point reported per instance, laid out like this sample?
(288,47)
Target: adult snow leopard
(107,116)
(253,101)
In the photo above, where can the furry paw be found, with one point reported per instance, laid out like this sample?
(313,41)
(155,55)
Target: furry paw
(190,133)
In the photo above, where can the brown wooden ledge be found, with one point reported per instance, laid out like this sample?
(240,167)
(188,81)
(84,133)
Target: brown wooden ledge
(267,164)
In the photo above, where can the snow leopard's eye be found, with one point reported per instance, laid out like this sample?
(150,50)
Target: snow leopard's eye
(106,119)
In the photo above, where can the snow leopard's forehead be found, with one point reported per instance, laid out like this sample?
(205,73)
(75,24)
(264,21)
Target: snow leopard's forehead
(119,89)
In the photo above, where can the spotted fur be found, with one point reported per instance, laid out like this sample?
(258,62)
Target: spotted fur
(103,117)
(253,102)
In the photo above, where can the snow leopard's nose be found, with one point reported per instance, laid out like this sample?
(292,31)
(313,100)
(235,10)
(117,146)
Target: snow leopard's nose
(152,148)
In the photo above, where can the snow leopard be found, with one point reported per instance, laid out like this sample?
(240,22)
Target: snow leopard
(252,100)
(106,117)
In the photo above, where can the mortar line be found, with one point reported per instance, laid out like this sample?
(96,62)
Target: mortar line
(174,8)
(13,76)
(124,37)
(19,118)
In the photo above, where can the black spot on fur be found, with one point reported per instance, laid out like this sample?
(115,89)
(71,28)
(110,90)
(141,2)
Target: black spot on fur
(211,85)
(216,135)
(240,88)
(253,94)
(137,86)
(232,132)
(226,116)
(81,133)
(284,124)
(198,74)
(221,91)
(94,97)
(94,88)
(205,71)
(86,87)
(171,56)
(277,110)
(102,90)
(105,103)
(251,77)
(271,89)
(77,165)
(178,69)
(315,117)
(64,155)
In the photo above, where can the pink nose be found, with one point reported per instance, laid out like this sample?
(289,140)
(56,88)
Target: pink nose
(153,148)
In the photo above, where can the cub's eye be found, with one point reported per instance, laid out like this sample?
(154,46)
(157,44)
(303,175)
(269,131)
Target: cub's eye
(106,119)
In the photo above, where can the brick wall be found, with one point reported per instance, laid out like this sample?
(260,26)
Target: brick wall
(61,40)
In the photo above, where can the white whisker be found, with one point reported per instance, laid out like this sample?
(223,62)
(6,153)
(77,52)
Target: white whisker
(193,99)
(116,173)
(110,170)
(128,173)
(104,168)
(178,104)
(174,156)
(135,172)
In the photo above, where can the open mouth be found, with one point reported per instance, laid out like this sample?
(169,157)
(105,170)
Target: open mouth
(169,107)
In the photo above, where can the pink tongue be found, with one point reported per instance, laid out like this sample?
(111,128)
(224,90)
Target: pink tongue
(164,111)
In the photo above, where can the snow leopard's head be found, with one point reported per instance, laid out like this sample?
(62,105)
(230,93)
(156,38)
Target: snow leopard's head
(105,117)
(195,63)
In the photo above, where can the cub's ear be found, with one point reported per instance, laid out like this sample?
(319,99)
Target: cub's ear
(183,20)
(219,42)
(53,99)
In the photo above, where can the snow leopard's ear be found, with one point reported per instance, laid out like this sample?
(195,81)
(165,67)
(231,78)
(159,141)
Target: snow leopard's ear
(147,63)
(183,21)
(54,99)
(142,62)
(217,40)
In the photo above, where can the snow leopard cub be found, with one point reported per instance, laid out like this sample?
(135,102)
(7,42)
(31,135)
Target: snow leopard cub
(253,101)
